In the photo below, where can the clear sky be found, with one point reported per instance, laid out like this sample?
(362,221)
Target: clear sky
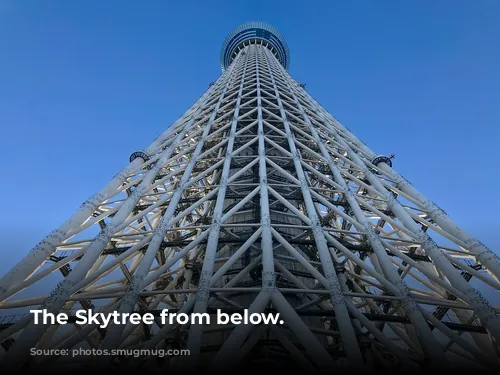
(83,84)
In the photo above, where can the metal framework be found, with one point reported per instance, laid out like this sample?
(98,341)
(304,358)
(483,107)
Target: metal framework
(257,198)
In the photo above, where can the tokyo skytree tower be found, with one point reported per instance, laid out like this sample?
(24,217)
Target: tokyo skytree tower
(257,198)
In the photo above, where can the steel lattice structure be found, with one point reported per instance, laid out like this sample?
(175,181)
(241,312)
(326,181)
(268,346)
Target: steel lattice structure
(258,198)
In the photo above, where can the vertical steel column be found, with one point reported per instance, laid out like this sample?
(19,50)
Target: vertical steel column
(240,332)
(485,312)
(46,247)
(489,259)
(53,304)
(130,298)
(315,350)
(429,343)
(268,275)
(337,297)
(203,293)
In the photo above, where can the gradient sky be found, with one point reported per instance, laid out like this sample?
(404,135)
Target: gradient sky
(83,84)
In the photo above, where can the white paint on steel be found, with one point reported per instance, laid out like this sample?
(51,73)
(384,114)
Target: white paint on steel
(327,233)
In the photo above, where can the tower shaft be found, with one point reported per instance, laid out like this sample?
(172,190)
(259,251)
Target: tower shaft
(258,199)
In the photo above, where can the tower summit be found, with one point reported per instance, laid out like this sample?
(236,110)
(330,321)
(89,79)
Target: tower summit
(254,33)
(257,200)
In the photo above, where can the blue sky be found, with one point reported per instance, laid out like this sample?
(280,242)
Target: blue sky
(83,84)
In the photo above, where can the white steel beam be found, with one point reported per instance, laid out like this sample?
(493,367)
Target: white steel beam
(338,300)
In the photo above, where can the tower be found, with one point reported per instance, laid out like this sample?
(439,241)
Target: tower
(258,199)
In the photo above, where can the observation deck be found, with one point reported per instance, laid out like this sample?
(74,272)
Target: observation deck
(253,33)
